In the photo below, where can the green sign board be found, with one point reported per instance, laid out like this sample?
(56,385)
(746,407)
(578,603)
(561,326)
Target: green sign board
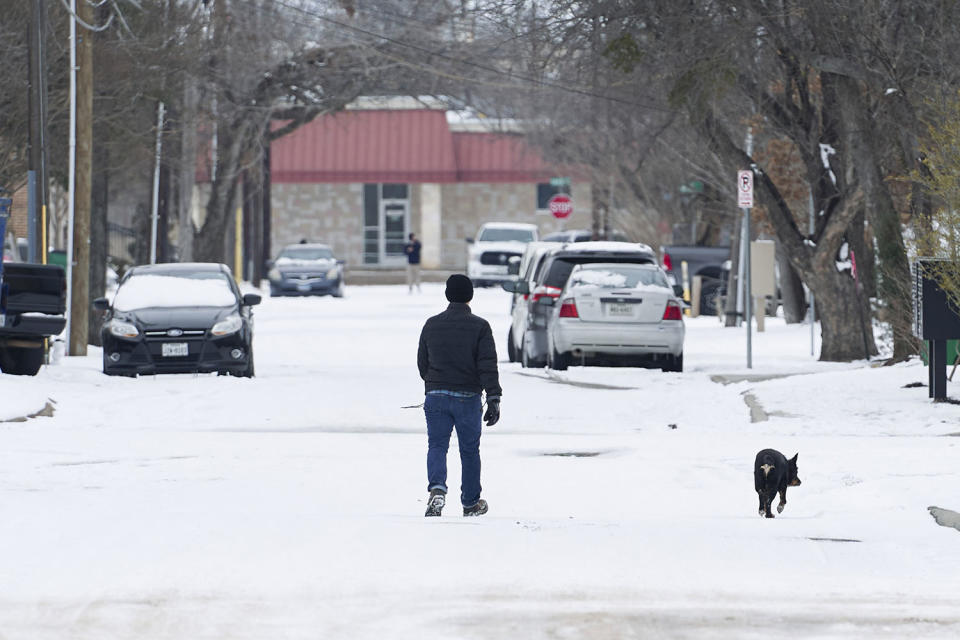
(559,182)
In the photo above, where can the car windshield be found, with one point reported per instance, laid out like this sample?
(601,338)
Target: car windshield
(492,234)
(619,277)
(305,253)
(191,289)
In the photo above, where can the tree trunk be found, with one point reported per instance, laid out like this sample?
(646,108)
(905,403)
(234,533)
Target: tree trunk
(98,235)
(188,169)
(894,270)
(733,279)
(792,295)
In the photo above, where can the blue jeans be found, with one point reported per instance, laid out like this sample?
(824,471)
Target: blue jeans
(443,414)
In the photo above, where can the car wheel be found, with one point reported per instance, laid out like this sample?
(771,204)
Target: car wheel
(338,292)
(21,361)
(249,371)
(524,358)
(674,363)
(559,361)
(511,350)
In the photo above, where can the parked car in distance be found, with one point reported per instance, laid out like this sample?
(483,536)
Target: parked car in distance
(489,253)
(178,318)
(616,313)
(711,263)
(530,317)
(581,235)
(306,270)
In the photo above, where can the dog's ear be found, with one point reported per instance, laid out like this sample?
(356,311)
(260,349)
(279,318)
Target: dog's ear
(794,458)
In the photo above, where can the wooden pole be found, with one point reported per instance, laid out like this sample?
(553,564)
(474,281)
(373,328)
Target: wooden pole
(80,310)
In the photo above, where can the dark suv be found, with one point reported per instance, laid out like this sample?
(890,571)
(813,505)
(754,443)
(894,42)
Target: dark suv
(528,328)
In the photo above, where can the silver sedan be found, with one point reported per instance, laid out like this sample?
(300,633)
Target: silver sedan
(617,312)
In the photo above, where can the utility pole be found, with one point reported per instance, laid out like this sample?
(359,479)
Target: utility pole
(80,277)
(37,93)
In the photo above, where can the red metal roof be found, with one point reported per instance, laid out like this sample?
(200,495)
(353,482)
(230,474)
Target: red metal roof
(498,157)
(401,146)
(367,146)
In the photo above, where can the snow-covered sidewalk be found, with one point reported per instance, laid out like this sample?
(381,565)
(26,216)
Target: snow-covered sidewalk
(622,501)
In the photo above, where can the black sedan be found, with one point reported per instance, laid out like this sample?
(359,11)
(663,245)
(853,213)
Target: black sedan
(178,318)
(306,270)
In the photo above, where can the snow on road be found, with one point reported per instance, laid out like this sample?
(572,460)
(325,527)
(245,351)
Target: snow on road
(621,500)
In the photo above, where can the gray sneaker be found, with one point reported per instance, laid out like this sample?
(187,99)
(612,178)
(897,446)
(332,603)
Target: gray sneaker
(435,503)
(476,510)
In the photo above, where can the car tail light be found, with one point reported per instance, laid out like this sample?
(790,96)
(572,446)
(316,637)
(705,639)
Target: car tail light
(672,312)
(545,291)
(667,262)
(569,309)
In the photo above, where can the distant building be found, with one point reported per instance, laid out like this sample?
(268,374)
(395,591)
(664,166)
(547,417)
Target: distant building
(361,180)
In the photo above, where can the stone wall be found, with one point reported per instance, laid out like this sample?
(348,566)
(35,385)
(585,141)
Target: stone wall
(327,213)
(333,214)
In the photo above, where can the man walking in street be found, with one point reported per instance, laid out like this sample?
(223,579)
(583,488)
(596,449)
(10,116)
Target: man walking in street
(412,249)
(457,360)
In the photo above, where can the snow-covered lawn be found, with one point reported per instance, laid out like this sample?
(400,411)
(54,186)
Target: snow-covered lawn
(291,505)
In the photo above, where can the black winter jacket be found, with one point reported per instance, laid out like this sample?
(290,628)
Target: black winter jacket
(457,353)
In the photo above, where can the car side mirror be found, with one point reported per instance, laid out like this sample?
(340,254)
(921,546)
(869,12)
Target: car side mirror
(101,304)
(513,266)
(678,290)
(251,299)
(269,264)
(342,263)
(469,240)
(547,301)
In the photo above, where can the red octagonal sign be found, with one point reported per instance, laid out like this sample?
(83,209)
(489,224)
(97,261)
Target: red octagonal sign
(560,205)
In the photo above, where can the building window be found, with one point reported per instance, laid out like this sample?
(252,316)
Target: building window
(545,191)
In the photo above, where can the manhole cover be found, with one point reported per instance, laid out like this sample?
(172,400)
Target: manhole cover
(573,454)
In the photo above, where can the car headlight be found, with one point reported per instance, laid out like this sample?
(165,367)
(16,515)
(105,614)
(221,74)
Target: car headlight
(333,273)
(123,329)
(274,274)
(230,324)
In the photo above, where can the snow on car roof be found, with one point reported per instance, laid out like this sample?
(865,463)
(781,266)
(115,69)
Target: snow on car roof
(307,245)
(508,225)
(142,290)
(606,245)
(180,266)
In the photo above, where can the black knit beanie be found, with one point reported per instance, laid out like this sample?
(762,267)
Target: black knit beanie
(459,288)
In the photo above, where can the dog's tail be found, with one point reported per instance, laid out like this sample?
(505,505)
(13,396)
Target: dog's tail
(767,468)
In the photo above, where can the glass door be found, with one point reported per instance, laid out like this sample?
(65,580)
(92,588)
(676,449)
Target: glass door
(395,222)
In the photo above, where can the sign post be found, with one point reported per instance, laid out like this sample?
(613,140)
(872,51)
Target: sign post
(745,202)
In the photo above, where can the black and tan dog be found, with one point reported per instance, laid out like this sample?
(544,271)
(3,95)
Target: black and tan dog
(772,472)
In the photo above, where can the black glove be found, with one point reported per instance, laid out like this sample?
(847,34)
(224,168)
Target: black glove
(493,411)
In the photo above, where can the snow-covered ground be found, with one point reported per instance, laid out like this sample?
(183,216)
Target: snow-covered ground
(291,505)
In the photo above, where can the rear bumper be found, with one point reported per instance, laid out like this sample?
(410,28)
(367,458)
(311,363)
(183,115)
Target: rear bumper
(592,338)
(31,326)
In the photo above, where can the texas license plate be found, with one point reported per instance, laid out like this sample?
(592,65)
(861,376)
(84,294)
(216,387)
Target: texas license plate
(173,349)
(618,309)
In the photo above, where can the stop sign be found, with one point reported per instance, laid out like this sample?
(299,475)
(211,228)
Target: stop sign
(560,205)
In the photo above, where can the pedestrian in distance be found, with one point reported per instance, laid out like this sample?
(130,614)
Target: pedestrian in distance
(412,249)
(457,359)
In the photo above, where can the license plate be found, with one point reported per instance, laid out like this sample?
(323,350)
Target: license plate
(303,286)
(617,309)
(173,349)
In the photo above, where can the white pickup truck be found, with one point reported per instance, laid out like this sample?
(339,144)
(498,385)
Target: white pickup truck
(488,255)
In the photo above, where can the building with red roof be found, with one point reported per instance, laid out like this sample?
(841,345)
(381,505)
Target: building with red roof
(362,179)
